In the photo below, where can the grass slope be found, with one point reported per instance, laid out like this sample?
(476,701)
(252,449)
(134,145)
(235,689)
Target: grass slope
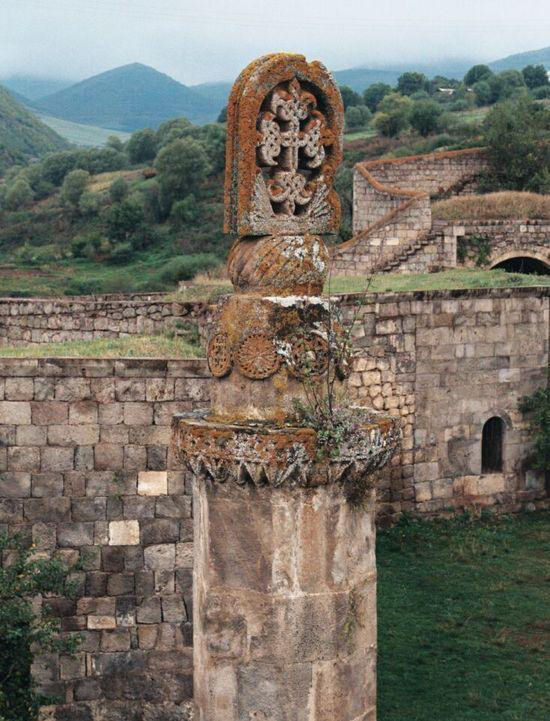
(157,346)
(464,620)
(22,135)
(493,206)
(129,98)
(88,136)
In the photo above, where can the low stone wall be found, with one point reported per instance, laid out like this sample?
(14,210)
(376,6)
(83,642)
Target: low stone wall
(87,476)
(37,320)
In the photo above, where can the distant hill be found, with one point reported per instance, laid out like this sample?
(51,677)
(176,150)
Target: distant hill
(129,98)
(520,60)
(22,135)
(216,93)
(32,87)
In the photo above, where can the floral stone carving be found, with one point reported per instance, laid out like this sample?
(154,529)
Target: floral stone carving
(285,119)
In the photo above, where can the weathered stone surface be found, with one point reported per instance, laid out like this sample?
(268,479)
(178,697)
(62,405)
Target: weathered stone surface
(123,533)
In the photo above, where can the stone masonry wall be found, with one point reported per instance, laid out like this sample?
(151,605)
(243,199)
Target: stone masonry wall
(445,362)
(507,238)
(87,475)
(33,321)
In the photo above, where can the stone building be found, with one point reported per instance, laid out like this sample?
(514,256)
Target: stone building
(393,227)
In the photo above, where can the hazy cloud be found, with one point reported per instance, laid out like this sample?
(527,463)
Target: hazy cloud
(205,40)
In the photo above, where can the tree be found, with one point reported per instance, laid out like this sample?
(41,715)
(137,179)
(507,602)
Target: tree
(517,135)
(374,94)
(142,146)
(393,115)
(483,92)
(182,165)
(357,116)
(118,190)
(349,96)
(19,195)
(23,630)
(476,73)
(425,116)
(56,166)
(115,143)
(222,115)
(535,76)
(124,219)
(74,186)
(409,83)
(172,130)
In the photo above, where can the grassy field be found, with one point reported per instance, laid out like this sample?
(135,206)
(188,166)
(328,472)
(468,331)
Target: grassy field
(386,282)
(85,135)
(158,346)
(493,206)
(369,132)
(464,620)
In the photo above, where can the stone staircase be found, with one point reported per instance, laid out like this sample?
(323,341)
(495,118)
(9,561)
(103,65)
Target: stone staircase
(388,265)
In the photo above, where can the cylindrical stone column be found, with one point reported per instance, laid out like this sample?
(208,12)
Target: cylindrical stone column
(285,604)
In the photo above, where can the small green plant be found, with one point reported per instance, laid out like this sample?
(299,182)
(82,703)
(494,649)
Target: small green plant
(537,406)
(24,577)
(476,247)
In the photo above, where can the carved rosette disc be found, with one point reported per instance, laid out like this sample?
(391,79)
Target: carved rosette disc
(219,355)
(309,356)
(257,356)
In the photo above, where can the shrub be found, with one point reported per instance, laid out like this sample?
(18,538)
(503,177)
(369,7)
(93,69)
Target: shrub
(124,219)
(537,406)
(121,253)
(89,203)
(425,116)
(185,212)
(19,195)
(409,83)
(142,146)
(535,76)
(23,630)
(477,73)
(357,116)
(374,94)
(118,190)
(74,186)
(185,267)
(517,134)
(542,92)
(56,166)
(349,96)
(393,115)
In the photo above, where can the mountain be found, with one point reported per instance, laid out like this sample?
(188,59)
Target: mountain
(520,60)
(217,93)
(32,87)
(22,135)
(129,98)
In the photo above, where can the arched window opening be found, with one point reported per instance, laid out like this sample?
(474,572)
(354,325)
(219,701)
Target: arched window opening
(491,445)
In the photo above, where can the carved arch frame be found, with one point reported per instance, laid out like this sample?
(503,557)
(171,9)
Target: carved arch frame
(249,93)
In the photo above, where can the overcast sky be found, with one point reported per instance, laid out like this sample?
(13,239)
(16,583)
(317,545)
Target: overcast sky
(204,40)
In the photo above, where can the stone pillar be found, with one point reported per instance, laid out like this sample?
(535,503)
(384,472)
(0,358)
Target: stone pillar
(285,576)
(285,592)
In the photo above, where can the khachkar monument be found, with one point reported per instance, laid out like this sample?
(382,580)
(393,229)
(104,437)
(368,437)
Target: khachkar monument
(285,570)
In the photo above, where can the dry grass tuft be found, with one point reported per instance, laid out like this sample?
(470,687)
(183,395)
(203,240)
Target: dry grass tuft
(493,206)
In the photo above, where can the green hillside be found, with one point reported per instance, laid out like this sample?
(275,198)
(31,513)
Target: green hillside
(22,135)
(129,98)
(520,60)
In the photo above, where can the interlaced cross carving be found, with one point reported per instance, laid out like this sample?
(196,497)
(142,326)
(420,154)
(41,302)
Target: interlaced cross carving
(291,124)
